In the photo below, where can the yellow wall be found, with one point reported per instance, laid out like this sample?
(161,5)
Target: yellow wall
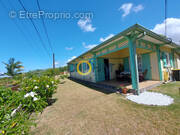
(154,66)
(165,49)
(177,61)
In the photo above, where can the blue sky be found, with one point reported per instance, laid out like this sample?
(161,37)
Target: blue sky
(73,36)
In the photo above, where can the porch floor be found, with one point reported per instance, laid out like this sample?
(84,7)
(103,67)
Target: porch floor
(145,85)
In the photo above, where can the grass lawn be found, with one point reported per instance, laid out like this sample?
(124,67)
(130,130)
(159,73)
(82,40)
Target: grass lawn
(80,110)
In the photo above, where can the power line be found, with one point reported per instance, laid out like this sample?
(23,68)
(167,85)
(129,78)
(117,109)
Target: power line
(29,33)
(45,29)
(18,27)
(35,29)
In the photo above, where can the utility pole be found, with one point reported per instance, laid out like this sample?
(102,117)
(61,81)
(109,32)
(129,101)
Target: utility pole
(53,61)
(165,18)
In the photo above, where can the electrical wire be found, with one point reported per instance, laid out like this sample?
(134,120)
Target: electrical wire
(40,38)
(45,29)
(18,27)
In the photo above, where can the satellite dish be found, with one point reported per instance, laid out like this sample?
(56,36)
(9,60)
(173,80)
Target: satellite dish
(170,40)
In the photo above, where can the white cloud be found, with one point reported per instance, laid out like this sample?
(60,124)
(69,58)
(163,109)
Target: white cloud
(106,38)
(173,29)
(73,57)
(69,48)
(86,25)
(90,46)
(56,63)
(138,8)
(126,8)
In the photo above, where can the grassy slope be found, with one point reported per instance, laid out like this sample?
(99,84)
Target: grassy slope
(82,110)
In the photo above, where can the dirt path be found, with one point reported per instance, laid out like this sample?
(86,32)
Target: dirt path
(80,110)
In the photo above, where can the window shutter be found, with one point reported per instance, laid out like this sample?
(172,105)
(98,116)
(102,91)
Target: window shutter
(75,67)
(71,68)
(91,63)
(84,67)
(171,59)
(164,59)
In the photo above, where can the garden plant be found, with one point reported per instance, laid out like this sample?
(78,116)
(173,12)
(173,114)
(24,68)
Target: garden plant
(16,107)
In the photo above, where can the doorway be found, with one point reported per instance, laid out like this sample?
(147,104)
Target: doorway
(106,69)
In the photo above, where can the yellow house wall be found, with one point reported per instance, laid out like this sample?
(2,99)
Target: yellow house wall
(154,66)
(165,49)
(177,61)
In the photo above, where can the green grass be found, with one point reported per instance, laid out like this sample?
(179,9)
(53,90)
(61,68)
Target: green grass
(82,110)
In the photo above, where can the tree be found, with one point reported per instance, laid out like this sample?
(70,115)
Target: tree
(13,68)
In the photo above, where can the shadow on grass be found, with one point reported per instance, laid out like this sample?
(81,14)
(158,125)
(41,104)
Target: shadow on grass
(52,101)
(62,82)
(94,86)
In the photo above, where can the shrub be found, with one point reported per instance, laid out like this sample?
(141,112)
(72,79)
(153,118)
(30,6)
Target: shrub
(19,124)
(17,106)
(44,86)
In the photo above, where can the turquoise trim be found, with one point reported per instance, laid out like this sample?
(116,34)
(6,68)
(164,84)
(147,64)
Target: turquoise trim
(116,49)
(159,63)
(71,67)
(95,66)
(136,27)
(100,72)
(126,64)
(173,59)
(164,59)
(146,46)
(116,43)
(76,67)
(133,64)
(146,64)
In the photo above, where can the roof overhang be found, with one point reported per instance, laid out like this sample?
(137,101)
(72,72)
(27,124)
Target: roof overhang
(147,35)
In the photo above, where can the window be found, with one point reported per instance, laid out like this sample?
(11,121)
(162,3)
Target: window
(86,67)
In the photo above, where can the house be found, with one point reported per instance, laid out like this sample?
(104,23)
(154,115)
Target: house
(137,49)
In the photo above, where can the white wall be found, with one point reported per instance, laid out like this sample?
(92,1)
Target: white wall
(90,77)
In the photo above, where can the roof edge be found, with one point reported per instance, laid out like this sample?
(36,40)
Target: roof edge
(133,27)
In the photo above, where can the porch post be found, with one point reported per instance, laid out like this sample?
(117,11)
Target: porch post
(94,66)
(133,64)
(159,63)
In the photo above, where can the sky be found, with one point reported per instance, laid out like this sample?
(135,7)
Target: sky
(74,27)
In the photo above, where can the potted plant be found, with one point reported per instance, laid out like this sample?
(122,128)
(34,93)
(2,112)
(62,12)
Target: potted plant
(125,90)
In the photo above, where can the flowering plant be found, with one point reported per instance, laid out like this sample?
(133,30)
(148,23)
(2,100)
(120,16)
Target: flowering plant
(43,86)
(17,106)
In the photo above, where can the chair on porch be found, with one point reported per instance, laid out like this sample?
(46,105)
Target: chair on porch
(143,75)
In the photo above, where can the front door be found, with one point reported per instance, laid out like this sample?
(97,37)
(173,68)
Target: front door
(106,69)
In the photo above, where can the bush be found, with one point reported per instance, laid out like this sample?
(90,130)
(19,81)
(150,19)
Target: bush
(44,86)
(19,124)
(17,106)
